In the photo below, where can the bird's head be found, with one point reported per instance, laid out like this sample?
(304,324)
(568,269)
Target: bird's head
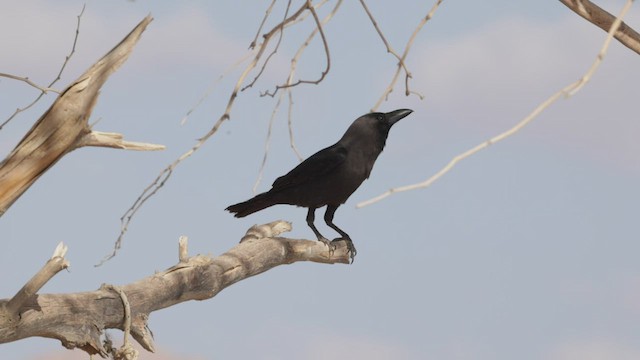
(374,127)
(382,122)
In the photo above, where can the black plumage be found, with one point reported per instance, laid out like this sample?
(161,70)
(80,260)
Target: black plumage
(330,176)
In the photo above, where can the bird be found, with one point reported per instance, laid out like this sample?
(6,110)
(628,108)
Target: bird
(330,176)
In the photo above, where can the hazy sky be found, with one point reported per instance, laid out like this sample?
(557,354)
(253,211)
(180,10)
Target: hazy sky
(528,250)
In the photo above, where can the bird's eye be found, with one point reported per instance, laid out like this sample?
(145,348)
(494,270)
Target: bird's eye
(380,117)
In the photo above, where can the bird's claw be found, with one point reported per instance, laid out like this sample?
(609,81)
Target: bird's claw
(350,247)
(328,243)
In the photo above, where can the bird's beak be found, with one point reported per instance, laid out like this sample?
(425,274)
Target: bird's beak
(397,115)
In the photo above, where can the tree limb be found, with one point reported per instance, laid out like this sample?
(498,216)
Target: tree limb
(604,20)
(64,126)
(48,271)
(78,320)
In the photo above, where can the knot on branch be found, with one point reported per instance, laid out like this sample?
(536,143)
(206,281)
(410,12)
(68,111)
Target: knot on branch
(269,230)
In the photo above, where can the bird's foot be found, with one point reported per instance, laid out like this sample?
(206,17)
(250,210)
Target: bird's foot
(350,247)
(328,243)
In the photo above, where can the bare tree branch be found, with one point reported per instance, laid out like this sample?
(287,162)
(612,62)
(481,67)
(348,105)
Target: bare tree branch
(213,86)
(63,126)
(64,65)
(566,92)
(264,20)
(48,271)
(604,20)
(267,143)
(387,45)
(78,320)
(292,142)
(309,6)
(273,52)
(403,58)
(44,90)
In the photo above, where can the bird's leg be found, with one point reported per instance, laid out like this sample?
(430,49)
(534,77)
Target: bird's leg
(311,216)
(328,218)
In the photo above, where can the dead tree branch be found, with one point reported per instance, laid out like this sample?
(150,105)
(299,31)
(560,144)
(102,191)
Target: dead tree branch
(79,320)
(48,271)
(387,45)
(64,126)
(566,92)
(403,58)
(44,90)
(273,52)
(591,12)
(309,6)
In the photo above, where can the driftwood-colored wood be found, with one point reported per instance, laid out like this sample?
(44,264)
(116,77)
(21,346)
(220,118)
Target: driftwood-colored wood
(603,19)
(57,263)
(64,126)
(79,320)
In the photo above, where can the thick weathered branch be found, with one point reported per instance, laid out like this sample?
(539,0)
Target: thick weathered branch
(604,20)
(78,320)
(63,127)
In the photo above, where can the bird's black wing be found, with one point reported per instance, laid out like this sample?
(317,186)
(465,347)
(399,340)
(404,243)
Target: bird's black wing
(315,166)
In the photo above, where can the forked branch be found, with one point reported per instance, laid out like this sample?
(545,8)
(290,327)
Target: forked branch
(64,126)
(79,320)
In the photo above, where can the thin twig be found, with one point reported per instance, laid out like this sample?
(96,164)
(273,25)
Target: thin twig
(264,20)
(392,84)
(386,43)
(273,52)
(267,143)
(311,8)
(566,92)
(213,86)
(64,64)
(44,90)
(304,16)
(290,126)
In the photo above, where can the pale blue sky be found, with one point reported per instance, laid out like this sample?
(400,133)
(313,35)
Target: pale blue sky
(527,250)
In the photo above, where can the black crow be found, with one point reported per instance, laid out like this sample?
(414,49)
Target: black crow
(331,175)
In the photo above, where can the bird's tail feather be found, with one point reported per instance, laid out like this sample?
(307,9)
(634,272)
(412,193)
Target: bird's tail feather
(257,203)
